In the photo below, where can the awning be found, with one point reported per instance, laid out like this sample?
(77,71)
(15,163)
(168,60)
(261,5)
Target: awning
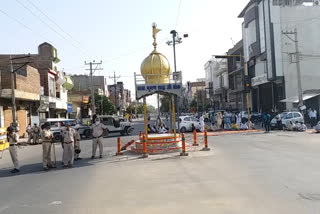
(295,99)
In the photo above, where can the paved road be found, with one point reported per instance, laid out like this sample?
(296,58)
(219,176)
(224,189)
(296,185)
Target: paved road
(244,173)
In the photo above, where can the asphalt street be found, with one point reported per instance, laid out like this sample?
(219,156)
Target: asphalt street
(243,173)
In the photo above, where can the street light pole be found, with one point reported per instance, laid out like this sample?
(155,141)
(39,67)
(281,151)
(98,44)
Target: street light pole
(174,41)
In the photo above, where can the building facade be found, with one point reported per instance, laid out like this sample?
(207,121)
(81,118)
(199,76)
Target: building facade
(53,92)
(269,42)
(27,92)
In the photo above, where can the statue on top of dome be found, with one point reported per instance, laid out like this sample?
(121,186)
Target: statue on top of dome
(155,30)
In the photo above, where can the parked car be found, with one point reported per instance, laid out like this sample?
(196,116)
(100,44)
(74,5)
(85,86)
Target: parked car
(186,123)
(286,117)
(57,125)
(254,116)
(114,125)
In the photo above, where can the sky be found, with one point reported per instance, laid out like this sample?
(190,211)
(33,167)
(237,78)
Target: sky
(119,32)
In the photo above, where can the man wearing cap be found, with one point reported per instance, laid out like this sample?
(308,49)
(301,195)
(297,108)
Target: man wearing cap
(46,136)
(98,130)
(68,139)
(13,138)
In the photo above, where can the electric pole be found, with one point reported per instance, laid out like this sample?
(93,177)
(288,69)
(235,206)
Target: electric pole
(297,61)
(115,78)
(13,93)
(93,105)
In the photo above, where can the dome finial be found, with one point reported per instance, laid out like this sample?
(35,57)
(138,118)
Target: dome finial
(155,30)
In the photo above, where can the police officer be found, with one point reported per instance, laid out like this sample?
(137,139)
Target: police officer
(29,131)
(77,148)
(68,139)
(46,136)
(13,138)
(35,133)
(98,130)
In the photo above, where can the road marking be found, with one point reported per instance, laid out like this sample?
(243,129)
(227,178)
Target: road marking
(55,203)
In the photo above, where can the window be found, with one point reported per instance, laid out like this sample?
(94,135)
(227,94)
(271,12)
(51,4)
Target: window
(51,87)
(295,115)
(187,119)
(54,124)
(288,116)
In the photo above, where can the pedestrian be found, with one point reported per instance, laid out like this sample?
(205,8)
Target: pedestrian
(13,139)
(267,121)
(238,121)
(68,140)
(98,130)
(46,136)
(201,123)
(313,117)
(29,132)
(77,149)
(35,133)
(219,120)
(279,121)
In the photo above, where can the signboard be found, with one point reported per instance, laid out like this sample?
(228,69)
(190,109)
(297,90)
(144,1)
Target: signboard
(143,90)
(69,108)
(259,80)
(85,99)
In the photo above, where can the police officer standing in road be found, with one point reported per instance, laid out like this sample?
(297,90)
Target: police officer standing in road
(77,149)
(13,138)
(68,139)
(46,136)
(35,133)
(98,131)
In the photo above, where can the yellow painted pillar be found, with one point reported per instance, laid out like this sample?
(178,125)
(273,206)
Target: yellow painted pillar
(174,118)
(145,118)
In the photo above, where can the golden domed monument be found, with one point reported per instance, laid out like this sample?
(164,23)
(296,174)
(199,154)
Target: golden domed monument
(155,68)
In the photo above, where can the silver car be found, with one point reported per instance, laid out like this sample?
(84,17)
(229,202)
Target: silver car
(286,117)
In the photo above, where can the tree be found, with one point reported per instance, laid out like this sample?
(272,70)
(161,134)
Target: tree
(104,105)
(131,109)
(151,109)
(139,109)
(164,103)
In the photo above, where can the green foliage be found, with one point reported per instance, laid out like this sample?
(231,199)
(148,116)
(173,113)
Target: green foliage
(164,103)
(104,105)
(151,109)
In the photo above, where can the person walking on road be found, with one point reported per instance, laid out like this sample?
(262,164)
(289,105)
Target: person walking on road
(202,123)
(68,140)
(313,117)
(35,133)
(98,131)
(267,121)
(46,136)
(279,121)
(13,139)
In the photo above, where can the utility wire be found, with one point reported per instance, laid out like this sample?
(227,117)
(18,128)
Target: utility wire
(45,23)
(55,23)
(178,14)
(23,25)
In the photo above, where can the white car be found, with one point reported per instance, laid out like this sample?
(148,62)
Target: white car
(286,117)
(186,123)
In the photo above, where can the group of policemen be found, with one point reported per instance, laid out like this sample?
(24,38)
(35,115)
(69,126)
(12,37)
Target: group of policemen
(70,144)
(33,134)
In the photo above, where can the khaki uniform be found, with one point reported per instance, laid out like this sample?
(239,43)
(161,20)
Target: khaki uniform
(97,133)
(68,150)
(35,134)
(13,149)
(29,131)
(77,144)
(46,136)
